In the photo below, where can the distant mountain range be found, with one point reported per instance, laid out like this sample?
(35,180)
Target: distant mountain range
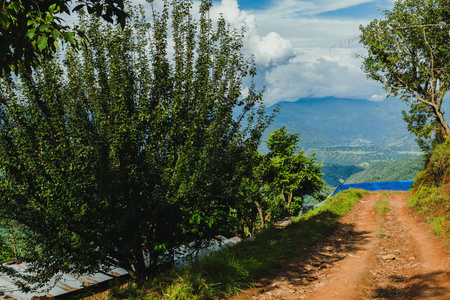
(327,122)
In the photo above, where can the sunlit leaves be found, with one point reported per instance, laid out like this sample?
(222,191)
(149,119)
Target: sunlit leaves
(290,174)
(408,53)
(30,31)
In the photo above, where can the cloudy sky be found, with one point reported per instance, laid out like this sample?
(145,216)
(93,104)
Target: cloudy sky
(303,48)
(306,48)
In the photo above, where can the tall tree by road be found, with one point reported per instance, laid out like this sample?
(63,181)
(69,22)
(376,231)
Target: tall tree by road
(408,52)
(128,149)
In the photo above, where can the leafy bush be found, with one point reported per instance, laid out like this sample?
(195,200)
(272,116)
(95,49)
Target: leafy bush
(437,170)
(431,193)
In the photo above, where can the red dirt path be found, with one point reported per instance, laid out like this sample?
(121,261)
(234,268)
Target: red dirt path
(390,255)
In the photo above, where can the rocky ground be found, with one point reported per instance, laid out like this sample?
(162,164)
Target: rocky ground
(380,251)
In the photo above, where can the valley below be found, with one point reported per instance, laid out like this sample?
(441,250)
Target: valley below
(350,137)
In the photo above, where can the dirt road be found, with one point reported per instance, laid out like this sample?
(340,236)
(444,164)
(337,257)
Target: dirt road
(380,251)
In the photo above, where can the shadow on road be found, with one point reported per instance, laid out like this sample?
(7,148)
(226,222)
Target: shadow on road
(341,241)
(421,286)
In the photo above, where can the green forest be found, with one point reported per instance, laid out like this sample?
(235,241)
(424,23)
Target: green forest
(405,169)
(388,170)
(362,156)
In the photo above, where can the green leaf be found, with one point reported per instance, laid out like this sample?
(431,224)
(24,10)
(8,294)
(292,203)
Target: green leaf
(4,20)
(55,34)
(52,8)
(15,6)
(78,7)
(31,33)
(31,22)
(42,42)
(49,18)
(70,37)
(44,27)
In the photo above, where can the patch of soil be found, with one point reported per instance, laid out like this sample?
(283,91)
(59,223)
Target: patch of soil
(370,256)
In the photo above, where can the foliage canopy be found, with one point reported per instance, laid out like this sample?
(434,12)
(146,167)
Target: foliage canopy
(30,30)
(408,52)
(291,174)
(122,152)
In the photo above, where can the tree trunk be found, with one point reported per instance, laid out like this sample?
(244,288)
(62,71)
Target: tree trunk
(261,215)
(442,124)
(139,271)
(288,206)
(242,227)
(286,203)
(13,238)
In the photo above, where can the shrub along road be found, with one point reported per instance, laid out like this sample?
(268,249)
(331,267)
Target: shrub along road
(380,251)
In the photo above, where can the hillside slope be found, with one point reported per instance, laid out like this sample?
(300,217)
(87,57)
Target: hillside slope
(404,169)
(431,191)
(335,121)
(332,173)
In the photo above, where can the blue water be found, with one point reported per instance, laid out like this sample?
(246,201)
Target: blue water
(400,185)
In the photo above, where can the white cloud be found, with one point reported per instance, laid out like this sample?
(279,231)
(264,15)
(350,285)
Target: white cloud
(296,8)
(320,78)
(309,32)
(270,49)
(380,97)
(230,10)
(302,53)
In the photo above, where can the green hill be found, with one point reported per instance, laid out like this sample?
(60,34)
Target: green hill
(404,169)
(333,172)
(362,156)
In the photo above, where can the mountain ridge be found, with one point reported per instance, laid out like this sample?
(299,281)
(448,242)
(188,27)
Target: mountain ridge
(331,121)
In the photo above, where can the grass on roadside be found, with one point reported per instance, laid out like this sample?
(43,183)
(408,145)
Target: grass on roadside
(235,268)
(431,193)
(433,203)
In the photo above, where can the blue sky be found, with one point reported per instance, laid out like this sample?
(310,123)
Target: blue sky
(368,8)
(306,48)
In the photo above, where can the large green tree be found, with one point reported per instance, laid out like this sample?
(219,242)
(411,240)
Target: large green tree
(274,185)
(290,174)
(30,30)
(408,53)
(116,155)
